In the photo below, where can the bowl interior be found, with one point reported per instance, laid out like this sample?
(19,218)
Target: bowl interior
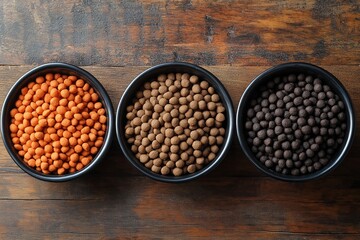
(150,75)
(282,70)
(13,95)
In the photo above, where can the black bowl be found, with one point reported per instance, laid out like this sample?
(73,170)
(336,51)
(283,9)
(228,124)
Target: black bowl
(281,70)
(151,74)
(14,93)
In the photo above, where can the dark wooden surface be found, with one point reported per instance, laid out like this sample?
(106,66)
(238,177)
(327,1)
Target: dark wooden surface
(236,40)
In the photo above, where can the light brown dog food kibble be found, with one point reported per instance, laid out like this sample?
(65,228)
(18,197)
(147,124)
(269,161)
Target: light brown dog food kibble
(176,124)
(58,124)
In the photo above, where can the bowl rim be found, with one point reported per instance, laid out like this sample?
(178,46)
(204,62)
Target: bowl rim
(224,95)
(15,88)
(340,90)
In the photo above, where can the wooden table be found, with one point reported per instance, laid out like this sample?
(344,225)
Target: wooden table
(236,40)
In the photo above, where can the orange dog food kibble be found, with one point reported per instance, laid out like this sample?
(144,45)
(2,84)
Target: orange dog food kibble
(58,124)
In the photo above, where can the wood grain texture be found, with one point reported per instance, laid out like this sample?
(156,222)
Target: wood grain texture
(136,207)
(119,33)
(235,40)
(235,201)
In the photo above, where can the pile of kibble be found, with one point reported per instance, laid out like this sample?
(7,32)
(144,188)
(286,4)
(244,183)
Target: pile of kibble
(175,124)
(295,124)
(58,124)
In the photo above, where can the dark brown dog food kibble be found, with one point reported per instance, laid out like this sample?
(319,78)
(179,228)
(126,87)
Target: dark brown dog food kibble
(295,125)
(176,124)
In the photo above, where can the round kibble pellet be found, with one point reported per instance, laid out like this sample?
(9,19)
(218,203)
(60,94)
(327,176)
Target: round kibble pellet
(307,123)
(175,124)
(61,124)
